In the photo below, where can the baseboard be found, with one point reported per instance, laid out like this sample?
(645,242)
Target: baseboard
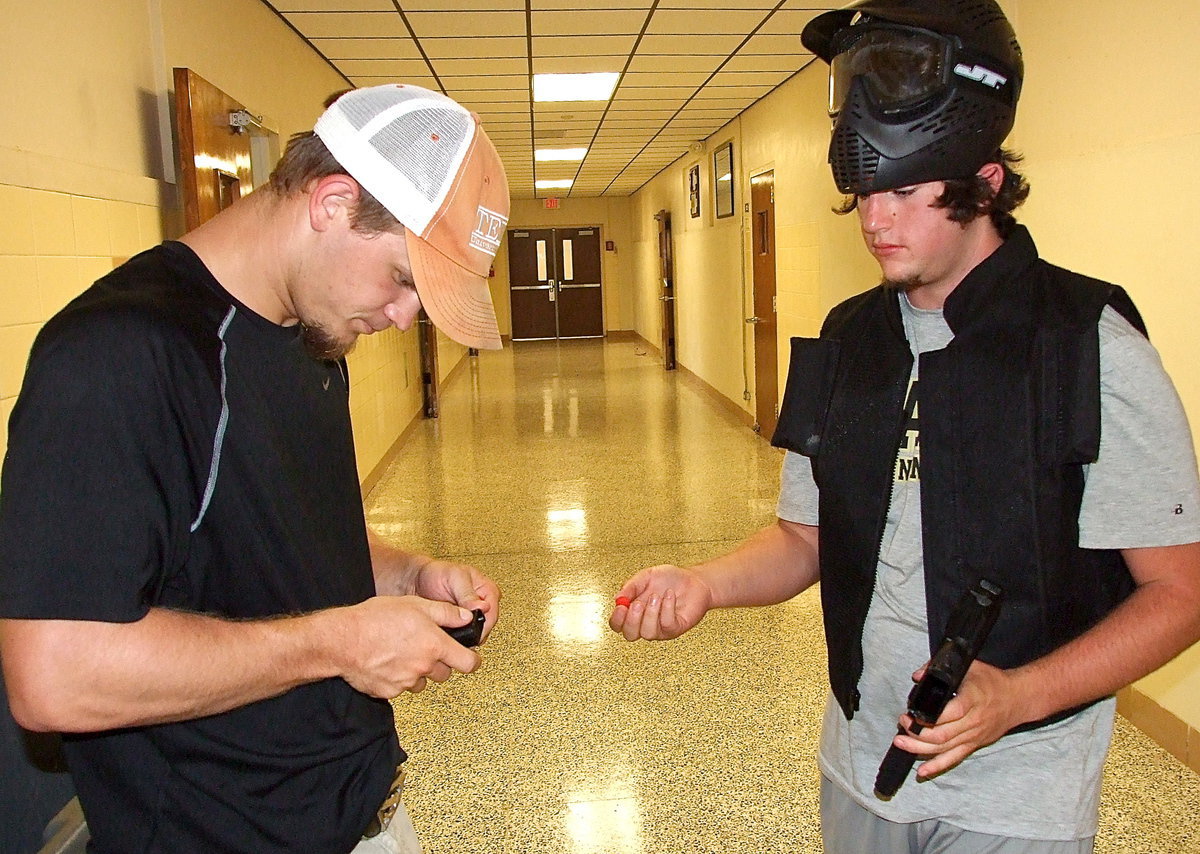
(723,403)
(369,482)
(628,335)
(1172,734)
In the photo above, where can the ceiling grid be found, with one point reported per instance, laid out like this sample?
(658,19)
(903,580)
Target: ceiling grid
(686,68)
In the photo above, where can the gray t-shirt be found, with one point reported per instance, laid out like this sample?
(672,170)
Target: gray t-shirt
(1143,490)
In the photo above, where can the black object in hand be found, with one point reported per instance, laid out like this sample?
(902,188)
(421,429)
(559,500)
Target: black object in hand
(966,632)
(470,634)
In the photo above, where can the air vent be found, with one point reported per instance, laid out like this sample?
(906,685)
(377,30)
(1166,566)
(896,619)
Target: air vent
(852,158)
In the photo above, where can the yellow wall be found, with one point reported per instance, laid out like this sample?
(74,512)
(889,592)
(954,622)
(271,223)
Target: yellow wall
(86,180)
(1110,127)
(710,293)
(79,161)
(819,256)
(242,48)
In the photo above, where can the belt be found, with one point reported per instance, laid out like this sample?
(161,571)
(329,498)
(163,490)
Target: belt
(387,809)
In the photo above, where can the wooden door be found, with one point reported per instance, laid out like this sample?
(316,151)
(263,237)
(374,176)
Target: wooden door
(666,265)
(554,283)
(580,299)
(531,284)
(766,354)
(214,157)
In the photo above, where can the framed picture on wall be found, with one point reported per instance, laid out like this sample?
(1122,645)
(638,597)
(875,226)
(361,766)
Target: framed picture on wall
(723,180)
(694,190)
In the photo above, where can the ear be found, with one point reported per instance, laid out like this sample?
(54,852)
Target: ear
(331,198)
(993,175)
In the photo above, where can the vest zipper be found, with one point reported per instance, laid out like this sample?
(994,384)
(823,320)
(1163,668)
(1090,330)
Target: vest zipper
(856,697)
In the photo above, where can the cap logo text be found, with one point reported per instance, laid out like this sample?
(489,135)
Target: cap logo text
(488,228)
(980,75)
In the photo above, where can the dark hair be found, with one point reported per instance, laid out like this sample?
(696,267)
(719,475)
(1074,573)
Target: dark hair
(306,159)
(968,198)
(328,102)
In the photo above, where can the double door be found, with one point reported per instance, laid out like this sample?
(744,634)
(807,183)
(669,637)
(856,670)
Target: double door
(554,283)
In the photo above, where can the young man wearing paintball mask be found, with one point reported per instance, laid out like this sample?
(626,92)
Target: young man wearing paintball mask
(1043,451)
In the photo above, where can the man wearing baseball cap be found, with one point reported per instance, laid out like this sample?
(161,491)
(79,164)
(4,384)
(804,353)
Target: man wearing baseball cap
(188,589)
(979,420)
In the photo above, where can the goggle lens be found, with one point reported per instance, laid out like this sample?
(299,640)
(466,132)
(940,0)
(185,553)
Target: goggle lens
(900,68)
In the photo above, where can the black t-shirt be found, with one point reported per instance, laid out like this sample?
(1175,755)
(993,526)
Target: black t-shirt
(170,448)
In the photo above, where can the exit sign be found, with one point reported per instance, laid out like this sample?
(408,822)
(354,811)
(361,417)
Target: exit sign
(550,204)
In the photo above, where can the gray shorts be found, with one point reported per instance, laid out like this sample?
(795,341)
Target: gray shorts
(848,828)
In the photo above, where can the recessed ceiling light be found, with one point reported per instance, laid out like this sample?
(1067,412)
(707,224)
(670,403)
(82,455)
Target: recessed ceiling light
(596,86)
(559,184)
(547,154)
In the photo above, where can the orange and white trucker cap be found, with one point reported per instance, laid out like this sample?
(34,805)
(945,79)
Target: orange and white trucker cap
(428,161)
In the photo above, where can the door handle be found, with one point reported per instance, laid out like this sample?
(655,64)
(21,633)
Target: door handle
(754,319)
(666,298)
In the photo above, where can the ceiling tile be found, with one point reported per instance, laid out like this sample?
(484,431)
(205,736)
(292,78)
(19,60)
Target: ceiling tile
(711,22)
(494,96)
(682,79)
(367,48)
(479,67)
(318,25)
(333,5)
(654,93)
(458,23)
(394,68)
(586,45)
(764,5)
(659,64)
(576,64)
(595,22)
(414,79)
(704,45)
(789,62)
(465,6)
(456,85)
(789,22)
(784,44)
(735,104)
(666,78)
(477,46)
(558,5)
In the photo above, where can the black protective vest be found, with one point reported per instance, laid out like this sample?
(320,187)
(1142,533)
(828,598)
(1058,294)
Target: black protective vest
(1010,413)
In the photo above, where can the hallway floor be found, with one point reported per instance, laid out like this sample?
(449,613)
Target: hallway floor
(559,470)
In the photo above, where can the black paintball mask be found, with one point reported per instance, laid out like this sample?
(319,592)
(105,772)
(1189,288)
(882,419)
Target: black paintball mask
(911,104)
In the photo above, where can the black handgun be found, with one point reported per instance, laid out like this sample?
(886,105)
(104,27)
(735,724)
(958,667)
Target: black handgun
(967,630)
(470,634)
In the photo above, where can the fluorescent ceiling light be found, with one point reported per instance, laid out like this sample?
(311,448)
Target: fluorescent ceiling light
(560,184)
(596,86)
(544,154)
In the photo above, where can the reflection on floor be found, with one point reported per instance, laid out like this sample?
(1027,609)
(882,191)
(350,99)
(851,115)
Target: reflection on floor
(560,469)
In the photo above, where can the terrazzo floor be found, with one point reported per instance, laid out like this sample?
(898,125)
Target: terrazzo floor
(560,469)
